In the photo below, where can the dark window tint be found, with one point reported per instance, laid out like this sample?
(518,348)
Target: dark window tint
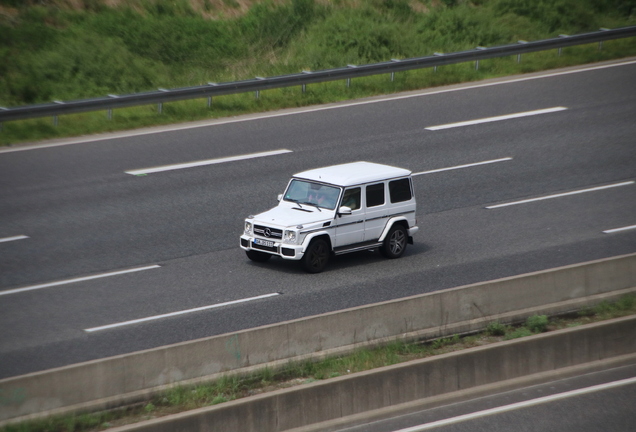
(375,195)
(400,190)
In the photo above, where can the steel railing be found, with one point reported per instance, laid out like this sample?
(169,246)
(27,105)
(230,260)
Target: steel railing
(258,84)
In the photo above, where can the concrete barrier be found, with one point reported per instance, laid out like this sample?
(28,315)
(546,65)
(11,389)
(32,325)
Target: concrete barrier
(127,378)
(344,399)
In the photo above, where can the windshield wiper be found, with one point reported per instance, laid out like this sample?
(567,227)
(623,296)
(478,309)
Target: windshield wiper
(295,201)
(311,204)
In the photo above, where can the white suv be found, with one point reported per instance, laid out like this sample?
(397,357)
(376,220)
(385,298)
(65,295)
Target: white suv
(335,210)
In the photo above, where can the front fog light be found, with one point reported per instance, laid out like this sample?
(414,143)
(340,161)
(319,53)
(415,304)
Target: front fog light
(290,237)
(248,228)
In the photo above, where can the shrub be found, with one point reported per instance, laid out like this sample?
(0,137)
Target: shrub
(496,329)
(537,323)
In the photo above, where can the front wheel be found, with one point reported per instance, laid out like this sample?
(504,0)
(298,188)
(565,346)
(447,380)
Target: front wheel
(395,242)
(316,257)
(257,256)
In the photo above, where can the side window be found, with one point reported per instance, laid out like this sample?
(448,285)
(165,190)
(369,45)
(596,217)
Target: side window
(375,195)
(400,190)
(351,198)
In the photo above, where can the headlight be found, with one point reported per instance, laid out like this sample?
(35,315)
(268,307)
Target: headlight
(248,228)
(289,236)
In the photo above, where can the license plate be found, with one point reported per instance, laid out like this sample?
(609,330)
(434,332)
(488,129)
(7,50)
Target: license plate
(264,242)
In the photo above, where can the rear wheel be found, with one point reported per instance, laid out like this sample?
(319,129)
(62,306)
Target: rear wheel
(316,257)
(395,242)
(257,256)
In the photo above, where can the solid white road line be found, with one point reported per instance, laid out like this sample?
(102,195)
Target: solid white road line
(631,227)
(497,118)
(8,239)
(561,195)
(156,317)
(206,162)
(81,279)
(519,405)
(463,166)
(195,125)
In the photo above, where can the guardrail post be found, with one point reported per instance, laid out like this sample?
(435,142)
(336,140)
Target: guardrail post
(393,73)
(519,55)
(55,121)
(600,44)
(160,104)
(213,84)
(110,110)
(477,61)
(304,86)
(349,79)
(437,54)
(258,92)
(561,49)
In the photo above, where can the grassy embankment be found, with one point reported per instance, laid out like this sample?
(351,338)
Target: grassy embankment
(232,387)
(66,50)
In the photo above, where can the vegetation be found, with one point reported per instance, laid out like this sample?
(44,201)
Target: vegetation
(231,387)
(76,49)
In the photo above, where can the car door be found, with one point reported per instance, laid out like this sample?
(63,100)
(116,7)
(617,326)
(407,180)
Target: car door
(375,211)
(350,228)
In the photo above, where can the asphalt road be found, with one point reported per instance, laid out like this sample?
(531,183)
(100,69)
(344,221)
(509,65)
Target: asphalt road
(595,402)
(82,215)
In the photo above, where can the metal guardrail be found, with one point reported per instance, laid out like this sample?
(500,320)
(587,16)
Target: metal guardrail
(258,84)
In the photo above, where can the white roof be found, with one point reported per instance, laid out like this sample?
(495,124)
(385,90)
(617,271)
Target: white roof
(354,173)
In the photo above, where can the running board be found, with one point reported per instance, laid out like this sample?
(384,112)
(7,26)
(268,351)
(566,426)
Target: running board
(357,247)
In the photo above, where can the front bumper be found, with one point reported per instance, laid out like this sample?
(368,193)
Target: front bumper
(283,250)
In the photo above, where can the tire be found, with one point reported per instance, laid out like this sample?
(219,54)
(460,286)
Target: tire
(316,257)
(257,256)
(395,242)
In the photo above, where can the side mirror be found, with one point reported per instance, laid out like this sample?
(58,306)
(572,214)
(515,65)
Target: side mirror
(344,210)
(280,197)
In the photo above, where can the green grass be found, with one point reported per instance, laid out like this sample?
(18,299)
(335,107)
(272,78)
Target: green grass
(50,52)
(232,387)
(232,105)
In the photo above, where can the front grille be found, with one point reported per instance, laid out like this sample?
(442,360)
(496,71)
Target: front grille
(265,248)
(263,231)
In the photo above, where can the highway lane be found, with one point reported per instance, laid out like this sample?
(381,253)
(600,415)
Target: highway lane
(598,401)
(84,215)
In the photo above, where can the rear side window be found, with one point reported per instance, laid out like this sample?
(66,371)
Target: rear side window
(400,190)
(375,195)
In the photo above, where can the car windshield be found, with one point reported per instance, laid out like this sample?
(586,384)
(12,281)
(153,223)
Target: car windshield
(316,194)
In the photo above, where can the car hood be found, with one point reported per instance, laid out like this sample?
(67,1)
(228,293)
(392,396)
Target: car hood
(292,216)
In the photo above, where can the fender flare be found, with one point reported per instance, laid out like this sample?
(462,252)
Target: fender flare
(312,236)
(390,224)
